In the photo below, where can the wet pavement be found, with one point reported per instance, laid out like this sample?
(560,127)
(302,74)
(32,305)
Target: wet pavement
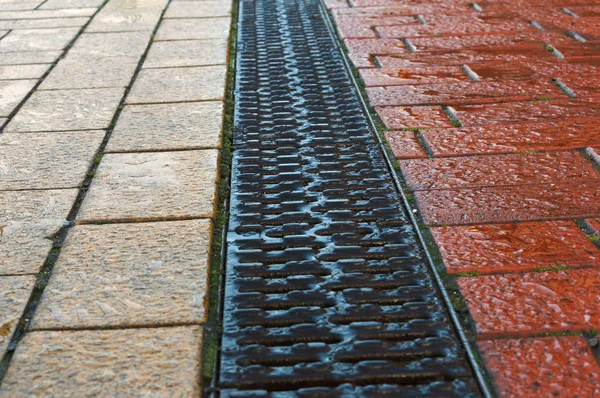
(492,110)
(115,118)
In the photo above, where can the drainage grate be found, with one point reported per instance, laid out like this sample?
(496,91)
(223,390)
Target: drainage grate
(327,292)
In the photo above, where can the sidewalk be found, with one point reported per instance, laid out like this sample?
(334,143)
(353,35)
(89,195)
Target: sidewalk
(492,111)
(112,115)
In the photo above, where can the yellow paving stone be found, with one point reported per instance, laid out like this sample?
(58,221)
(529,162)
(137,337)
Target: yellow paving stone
(168,126)
(61,4)
(12,92)
(77,72)
(46,23)
(206,8)
(193,29)
(162,362)
(152,186)
(12,72)
(111,44)
(38,14)
(165,54)
(29,57)
(178,85)
(28,221)
(37,39)
(14,294)
(127,275)
(46,160)
(64,110)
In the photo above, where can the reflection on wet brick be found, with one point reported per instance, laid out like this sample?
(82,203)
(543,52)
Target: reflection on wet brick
(533,303)
(408,76)
(463,93)
(499,138)
(405,145)
(399,117)
(526,112)
(514,247)
(480,171)
(543,367)
(507,204)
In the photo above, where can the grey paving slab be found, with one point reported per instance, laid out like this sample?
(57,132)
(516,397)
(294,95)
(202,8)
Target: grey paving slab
(129,275)
(152,186)
(37,39)
(60,4)
(178,85)
(14,294)
(29,58)
(64,110)
(28,221)
(75,72)
(48,23)
(194,9)
(187,53)
(162,362)
(12,92)
(109,20)
(46,160)
(167,127)
(37,14)
(117,44)
(193,29)
(12,72)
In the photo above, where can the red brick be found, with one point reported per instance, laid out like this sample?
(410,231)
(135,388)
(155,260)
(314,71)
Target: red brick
(535,68)
(537,302)
(468,56)
(468,23)
(586,11)
(499,248)
(527,112)
(497,42)
(411,7)
(406,76)
(594,154)
(568,200)
(498,138)
(583,86)
(499,170)
(404,144)
(397,118)
(362,27)
(463,93)
(542,367)
(360,50)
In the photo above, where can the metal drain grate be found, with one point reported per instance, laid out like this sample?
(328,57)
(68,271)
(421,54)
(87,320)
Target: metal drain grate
(327,292)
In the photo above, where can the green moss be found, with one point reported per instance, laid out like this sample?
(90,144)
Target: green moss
(552,268)
(469,273)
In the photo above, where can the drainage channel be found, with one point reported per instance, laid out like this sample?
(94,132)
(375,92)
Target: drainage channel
(328,292)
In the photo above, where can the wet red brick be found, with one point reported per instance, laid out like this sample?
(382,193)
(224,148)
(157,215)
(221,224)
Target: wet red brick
(505,42)
(594,225)
(580,199)
(482,171)
(537,302)
(583,86)
(456,57)
(397,117)
(463,93)
(361,50)
(543,367)
(411,76)
(527,112)
(363,27)
(405,145)
(499,138)
(469,23)
(499,248)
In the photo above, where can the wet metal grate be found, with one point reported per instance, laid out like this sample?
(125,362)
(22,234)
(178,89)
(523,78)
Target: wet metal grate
(327,292)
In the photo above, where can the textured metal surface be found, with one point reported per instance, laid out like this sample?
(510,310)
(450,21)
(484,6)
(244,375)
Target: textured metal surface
(327,292)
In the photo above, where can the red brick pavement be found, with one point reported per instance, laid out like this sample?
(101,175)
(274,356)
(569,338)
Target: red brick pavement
(493,108)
